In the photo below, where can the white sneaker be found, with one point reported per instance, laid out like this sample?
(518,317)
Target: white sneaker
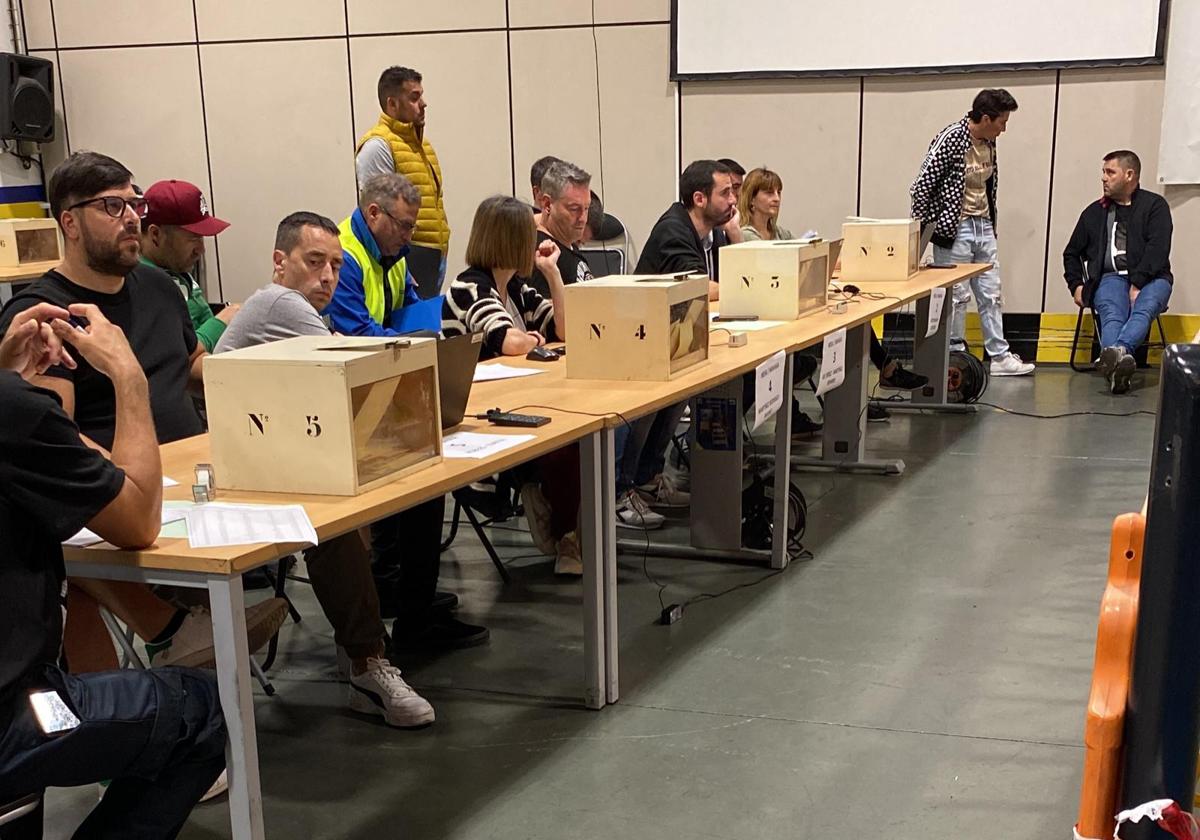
(1010,364)
(633,512)
(568,560)
(380,690)
(662,492)
(192,644)
(537,514)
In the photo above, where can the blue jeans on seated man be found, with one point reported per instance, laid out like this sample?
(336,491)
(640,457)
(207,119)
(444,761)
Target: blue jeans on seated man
(157,734)
(976,243)
(1123,323)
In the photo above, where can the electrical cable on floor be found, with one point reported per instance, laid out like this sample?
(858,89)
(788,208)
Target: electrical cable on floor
(1068,413)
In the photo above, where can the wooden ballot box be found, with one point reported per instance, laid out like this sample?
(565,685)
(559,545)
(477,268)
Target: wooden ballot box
(877,250)
(28,241)
(323,414)
(637,327)
(776,280)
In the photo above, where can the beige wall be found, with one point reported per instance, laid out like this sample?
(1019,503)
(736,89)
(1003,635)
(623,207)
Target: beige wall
(266,120)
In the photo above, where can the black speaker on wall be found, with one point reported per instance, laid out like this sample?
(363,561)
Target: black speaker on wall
(26,98)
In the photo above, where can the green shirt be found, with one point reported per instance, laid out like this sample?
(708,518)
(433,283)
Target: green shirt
(207,325)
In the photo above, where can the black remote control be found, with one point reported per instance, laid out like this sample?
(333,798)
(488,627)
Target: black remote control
(506,418)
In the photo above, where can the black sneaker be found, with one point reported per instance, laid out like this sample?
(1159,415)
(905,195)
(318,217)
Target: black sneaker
(443,633)
(1121,374)
(1107,362)
(802,424)
(903,380)
(877,413)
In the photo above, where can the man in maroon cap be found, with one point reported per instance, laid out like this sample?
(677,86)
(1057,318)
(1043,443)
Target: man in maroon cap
(173,231)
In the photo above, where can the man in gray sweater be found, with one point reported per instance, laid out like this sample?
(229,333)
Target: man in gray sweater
(307,257)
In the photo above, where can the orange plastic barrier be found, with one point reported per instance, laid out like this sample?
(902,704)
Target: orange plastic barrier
(1110,679)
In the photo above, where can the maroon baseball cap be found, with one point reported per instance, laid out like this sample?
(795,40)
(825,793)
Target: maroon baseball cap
(180,203)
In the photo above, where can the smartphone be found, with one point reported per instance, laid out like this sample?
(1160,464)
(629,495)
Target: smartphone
(53,715)
(942,265)
(725,318)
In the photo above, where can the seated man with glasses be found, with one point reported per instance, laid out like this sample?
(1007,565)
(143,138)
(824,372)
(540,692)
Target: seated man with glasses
(377,296)
(100,214)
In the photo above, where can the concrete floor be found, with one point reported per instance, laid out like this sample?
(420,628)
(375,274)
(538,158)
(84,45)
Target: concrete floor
(924,675)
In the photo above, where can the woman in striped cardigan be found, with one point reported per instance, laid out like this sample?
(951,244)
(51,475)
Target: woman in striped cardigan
(492,296)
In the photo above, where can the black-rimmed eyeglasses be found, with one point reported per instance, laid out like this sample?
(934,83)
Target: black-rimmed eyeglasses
(404,225)
(114,205)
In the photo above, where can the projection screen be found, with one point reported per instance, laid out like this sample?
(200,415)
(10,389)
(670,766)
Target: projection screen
(714,39)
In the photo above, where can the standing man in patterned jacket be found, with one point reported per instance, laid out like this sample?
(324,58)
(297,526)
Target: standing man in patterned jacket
(397,143)
(955,194)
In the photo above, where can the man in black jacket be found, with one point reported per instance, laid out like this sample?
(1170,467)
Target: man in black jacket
(1118,263)
(688,236)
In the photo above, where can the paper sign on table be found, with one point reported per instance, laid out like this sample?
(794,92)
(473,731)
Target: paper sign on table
(833,362)
(215,524)
(490,373)
(937,300)
(478,444)
(768,388)
(743,326)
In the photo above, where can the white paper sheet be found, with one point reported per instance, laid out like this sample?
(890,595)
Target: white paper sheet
(833,362)
(86,537)
(744,326)
(215,524)
(937,301)
(768,388)
(169,482)
(478,444)
(490,373)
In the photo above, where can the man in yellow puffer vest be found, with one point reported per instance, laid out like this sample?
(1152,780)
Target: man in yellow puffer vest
(397,143)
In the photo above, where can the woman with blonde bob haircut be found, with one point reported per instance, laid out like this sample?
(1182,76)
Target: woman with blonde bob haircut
(758,206)
(492,296)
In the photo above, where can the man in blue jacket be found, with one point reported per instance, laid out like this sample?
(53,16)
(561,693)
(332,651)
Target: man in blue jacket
(377,296)
(1118,262)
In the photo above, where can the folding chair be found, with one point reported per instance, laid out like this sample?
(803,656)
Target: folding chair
(1078,368)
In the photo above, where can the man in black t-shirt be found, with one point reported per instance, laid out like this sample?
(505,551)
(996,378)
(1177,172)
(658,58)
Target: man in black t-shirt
(564,198)
(94,202)
(100,216)
(157,735)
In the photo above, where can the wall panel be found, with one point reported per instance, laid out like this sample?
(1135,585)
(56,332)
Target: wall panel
(272,155)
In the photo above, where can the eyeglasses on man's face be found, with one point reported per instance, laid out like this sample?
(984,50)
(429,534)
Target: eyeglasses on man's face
(114,205)
(404,225)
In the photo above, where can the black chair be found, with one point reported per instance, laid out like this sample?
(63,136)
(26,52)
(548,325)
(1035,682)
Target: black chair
(1139,353)
(467,503)
(425,265)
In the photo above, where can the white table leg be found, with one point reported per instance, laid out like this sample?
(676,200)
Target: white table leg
(608,524)
(591,545)
(233,679)
(931,355)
